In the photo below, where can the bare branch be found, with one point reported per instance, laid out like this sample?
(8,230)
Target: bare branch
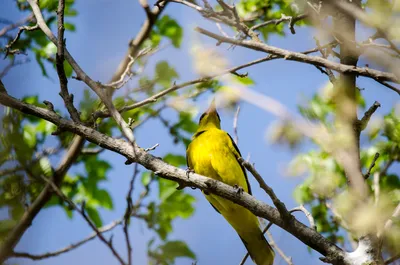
(68,98)
(81,75)
(309,216)
(152,148)
(358,13)
(299,57)
(164,170)
(376,156)
(10,65)
(287,259)
(60,194)
(392,259)
(21,29)
(285,215)
(128,213)
(268,226)
(367,115)
(26,220)
(290,19)
(17,24)
(68,248)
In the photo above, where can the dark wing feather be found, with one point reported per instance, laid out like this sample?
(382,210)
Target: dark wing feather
(243,169)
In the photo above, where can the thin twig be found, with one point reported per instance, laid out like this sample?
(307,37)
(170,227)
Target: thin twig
(392,259)
(17,24)
(299,57)
(287,259)
(68,98)
(278,21)
(68,248)
(21,29)
(81,211)
(386,167)
(154,98)
(301,208)
(367,115)
(151,148)
(81,75)
(128,213)
(24,223)
(285,214)
(376,156)
(127,73)
(13,62)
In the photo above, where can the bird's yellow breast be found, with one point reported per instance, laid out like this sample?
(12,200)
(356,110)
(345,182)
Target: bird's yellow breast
(212,154)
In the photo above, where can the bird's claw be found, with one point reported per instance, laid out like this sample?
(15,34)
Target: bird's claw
(188,171)
(239,190)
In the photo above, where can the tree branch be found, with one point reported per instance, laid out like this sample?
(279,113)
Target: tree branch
(60,194)
(299,57)
(68,98)
(17,24)
(26,220)
(287,259)
(285,214)
(81,75)
(68,248)
(133,153)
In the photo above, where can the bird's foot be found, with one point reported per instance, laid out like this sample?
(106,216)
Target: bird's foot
(239,190)
(188,171)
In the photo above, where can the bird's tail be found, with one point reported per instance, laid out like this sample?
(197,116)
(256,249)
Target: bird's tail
(260,251)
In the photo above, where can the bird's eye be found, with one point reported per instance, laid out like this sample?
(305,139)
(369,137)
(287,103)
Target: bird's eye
(202,116)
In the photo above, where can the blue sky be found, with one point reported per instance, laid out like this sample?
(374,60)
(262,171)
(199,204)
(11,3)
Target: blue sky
(104,28)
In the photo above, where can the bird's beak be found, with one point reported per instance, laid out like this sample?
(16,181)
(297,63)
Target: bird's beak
(212,107)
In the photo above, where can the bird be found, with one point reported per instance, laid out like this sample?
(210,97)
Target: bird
(213,153)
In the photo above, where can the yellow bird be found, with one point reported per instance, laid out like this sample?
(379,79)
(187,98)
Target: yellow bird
(214,154)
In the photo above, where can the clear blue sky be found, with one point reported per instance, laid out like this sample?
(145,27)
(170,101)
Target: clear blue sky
(104,28)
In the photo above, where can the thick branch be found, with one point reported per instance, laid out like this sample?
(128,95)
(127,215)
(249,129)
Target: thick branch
(307,235)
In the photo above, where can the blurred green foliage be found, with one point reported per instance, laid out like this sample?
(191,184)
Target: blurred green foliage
(25,155)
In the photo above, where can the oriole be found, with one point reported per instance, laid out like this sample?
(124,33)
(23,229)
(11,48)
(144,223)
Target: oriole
(214,154)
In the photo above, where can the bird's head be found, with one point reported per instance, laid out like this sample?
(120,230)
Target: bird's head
(210,118)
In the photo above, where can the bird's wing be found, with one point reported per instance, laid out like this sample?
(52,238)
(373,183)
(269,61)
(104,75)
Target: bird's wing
(237,154)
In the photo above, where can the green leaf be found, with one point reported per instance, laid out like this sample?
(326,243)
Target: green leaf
(50,49)
(169,28)
(29,135)
(6,226)
(69,26)
(94,216)
(103,198)
(175,249)
(175,160)
(146,178)
(68,69)
(247,81)
(165,74)
(45,166)
(41,64)
(166,188)
(96,168)
(302,194)
(17,211)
